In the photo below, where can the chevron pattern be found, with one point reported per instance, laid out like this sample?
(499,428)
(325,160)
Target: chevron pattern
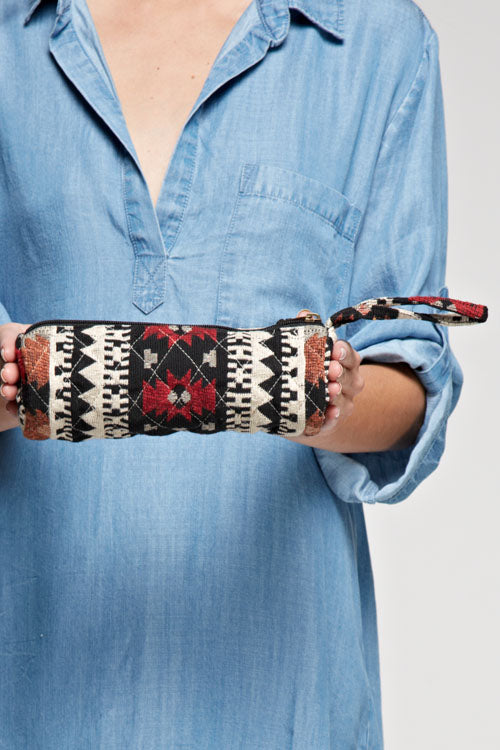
(115,379)
(61,357)
(88,380)
(266,380)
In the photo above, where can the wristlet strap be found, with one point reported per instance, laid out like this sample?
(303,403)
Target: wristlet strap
(382,308)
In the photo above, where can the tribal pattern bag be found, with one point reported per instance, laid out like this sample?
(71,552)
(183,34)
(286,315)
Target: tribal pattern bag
(83,379)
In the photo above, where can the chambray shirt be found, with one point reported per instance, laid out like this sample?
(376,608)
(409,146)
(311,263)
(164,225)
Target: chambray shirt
(195,592)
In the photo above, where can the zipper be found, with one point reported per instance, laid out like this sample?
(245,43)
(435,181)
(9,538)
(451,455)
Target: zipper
(60,321)
(311,317)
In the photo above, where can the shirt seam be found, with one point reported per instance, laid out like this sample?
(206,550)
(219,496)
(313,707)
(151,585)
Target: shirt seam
(72,30)
(264,22)
(340,232)
(416,78)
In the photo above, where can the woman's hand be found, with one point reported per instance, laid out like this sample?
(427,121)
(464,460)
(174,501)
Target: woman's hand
(9,374)
(345,382)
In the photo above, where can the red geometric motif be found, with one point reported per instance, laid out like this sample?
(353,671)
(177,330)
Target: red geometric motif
(315,359)
(172,395)
(196,398)
(460,306)
(164,330)
(363,308)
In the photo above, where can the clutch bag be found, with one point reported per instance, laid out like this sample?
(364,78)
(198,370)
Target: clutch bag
(83,379)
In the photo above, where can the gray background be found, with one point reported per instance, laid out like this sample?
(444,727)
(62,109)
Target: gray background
(436,555)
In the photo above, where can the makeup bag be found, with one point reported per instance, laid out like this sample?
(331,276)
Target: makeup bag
(83,379)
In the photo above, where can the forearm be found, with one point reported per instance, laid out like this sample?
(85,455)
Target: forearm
(388,413)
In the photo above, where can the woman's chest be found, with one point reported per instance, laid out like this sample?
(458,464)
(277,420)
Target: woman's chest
(159,61)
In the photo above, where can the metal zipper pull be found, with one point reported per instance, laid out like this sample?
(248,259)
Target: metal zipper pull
(310,315)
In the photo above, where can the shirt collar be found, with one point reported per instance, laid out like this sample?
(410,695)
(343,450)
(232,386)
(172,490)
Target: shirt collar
(328,14)
(32,5)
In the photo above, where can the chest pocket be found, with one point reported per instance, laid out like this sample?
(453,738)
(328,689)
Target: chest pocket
(289,245)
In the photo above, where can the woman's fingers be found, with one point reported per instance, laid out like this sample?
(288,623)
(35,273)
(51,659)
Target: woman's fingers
(345,372)
(9,374)
(345,355)
(8,334)
(8,406)
(9,392)
(345,380)
(334,389)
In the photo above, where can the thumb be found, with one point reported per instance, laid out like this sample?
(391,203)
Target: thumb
(302,313)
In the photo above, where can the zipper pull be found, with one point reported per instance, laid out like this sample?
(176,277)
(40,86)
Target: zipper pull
(310,315)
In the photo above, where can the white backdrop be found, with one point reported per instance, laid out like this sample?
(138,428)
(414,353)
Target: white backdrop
(436,555)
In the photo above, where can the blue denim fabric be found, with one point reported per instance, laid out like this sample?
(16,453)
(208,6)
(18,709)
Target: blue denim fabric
(193,592)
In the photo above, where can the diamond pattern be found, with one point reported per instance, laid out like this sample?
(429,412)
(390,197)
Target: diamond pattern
(115,380)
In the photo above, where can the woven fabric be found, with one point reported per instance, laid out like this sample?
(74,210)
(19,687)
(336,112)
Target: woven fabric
(115,379)
(382,308)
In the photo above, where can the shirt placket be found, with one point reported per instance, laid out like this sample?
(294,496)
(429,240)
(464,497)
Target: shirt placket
(153,231)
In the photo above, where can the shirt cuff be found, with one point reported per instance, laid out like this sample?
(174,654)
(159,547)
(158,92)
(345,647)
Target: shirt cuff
(392,475)
(4,316)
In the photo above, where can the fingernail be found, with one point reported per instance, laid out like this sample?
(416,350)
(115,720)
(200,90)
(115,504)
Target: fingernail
(342,353)
(2,353)
(1,374)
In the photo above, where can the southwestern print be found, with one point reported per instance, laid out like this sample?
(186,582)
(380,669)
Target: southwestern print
(84,381)
(114,379)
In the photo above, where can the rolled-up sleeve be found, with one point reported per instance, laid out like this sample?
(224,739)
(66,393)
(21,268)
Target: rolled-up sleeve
(401,251)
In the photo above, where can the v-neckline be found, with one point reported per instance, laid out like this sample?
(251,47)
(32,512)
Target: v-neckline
(163,185)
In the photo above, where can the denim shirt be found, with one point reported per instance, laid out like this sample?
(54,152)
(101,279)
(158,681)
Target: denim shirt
(214,591)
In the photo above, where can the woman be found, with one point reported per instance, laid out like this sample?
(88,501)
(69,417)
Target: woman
(231,163)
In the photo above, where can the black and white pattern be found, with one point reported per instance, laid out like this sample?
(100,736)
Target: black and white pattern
(115,379)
